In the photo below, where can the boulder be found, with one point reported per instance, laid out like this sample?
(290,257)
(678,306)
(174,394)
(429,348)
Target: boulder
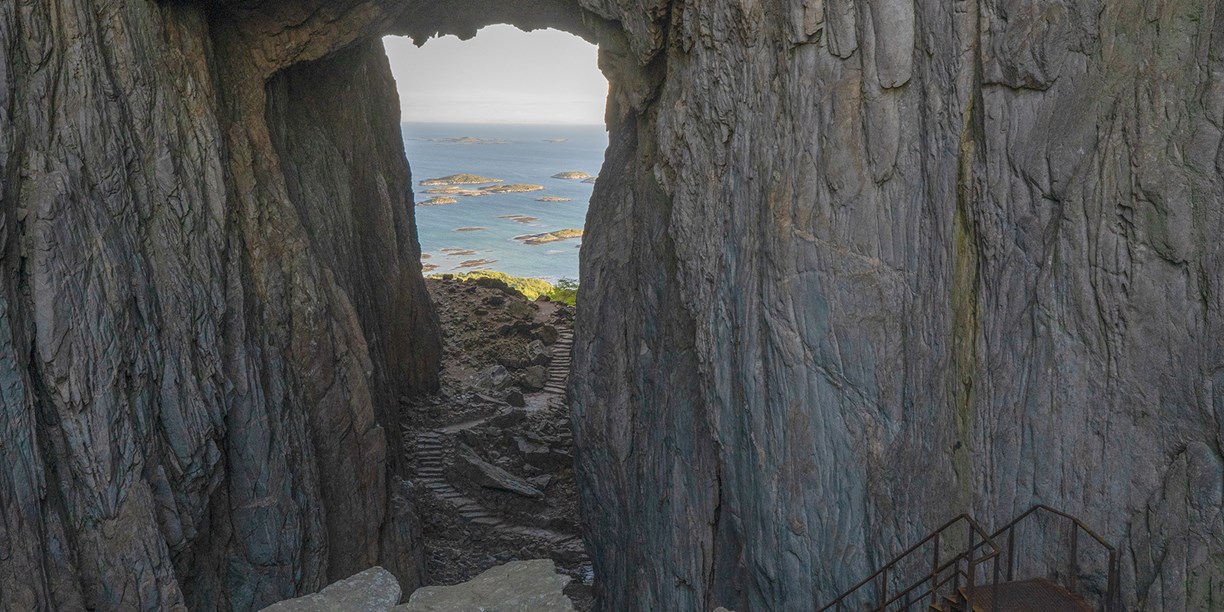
(534,378)
(535,454)
(547,334)
(538,354)
(372,590)
(518,586)
(519,309)
(490,476)
(494,378)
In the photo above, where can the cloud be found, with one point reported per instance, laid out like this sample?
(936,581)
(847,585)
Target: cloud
(503,75)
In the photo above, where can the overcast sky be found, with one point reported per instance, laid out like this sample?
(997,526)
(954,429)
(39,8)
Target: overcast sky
(503,75)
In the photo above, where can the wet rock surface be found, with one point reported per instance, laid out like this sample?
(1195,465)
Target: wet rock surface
(494,481)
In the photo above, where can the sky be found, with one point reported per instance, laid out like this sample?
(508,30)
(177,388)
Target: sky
(502,75)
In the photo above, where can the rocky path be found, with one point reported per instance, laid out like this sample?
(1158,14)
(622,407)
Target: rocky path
(431,447)
(491,456)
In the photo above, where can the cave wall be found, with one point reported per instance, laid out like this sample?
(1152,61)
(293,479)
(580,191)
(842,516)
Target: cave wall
(852,267)
(884,262)
(199,383)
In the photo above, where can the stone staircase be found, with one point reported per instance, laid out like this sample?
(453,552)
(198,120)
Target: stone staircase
(558,368)
(431,448)
(430,466)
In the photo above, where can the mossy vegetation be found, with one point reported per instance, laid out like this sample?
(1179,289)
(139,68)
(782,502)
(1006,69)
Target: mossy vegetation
(564,291)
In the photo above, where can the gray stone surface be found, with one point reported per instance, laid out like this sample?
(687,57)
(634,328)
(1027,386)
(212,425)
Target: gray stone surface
(852,267)
(518,586)
(373,590)
(490,476)
(837,289)
(534,377)
(196,378)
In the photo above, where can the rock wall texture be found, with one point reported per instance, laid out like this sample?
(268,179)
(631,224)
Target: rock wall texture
(856,266)
(206,320)
(852,267)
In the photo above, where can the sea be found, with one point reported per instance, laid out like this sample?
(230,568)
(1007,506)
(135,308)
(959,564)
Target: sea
(478,233)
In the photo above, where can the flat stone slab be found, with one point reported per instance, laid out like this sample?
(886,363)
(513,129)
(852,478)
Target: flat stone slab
(518,586)
(374,590)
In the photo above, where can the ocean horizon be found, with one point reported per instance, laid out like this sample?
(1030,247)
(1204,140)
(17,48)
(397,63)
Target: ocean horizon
(479,233)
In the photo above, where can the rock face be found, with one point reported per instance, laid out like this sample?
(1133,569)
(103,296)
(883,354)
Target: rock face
(518,586)
(855,266)
(210,303)
(852,267)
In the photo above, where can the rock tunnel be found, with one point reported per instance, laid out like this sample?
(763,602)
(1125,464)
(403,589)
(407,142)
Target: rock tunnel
(851,267)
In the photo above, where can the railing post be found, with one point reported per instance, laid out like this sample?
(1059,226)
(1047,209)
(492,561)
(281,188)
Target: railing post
(935,570)
(972,565)
(1111,588)
(1074,556)
(994,583)
(1011,553)
(882,590)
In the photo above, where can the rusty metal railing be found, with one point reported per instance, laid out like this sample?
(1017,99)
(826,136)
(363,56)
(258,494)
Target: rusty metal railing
(1111,600)
(963,565)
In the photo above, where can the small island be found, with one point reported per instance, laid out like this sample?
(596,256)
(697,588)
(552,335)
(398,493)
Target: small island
(439,201)
(470,229)
(520,218)
(572,175)
(456,252)
(512,188)
(591,180)
(556,140)
(469,140)
(553,199)
(547,237)
(463,178)
(428,267)
(475,263)
(457,191)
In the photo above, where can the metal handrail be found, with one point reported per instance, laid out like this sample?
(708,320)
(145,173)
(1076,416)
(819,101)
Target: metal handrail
(955,561)
(1111,601)
(936,568)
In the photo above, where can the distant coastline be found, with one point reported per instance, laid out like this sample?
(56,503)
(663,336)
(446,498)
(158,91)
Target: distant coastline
(507,189)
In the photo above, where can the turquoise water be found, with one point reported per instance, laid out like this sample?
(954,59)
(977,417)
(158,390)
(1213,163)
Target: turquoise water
(524,156)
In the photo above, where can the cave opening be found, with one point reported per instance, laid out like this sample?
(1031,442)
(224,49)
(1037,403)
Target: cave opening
(470,381)
(504,135)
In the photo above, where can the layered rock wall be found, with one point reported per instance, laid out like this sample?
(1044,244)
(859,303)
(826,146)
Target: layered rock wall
(882,262)
(200,376)
(852,267)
